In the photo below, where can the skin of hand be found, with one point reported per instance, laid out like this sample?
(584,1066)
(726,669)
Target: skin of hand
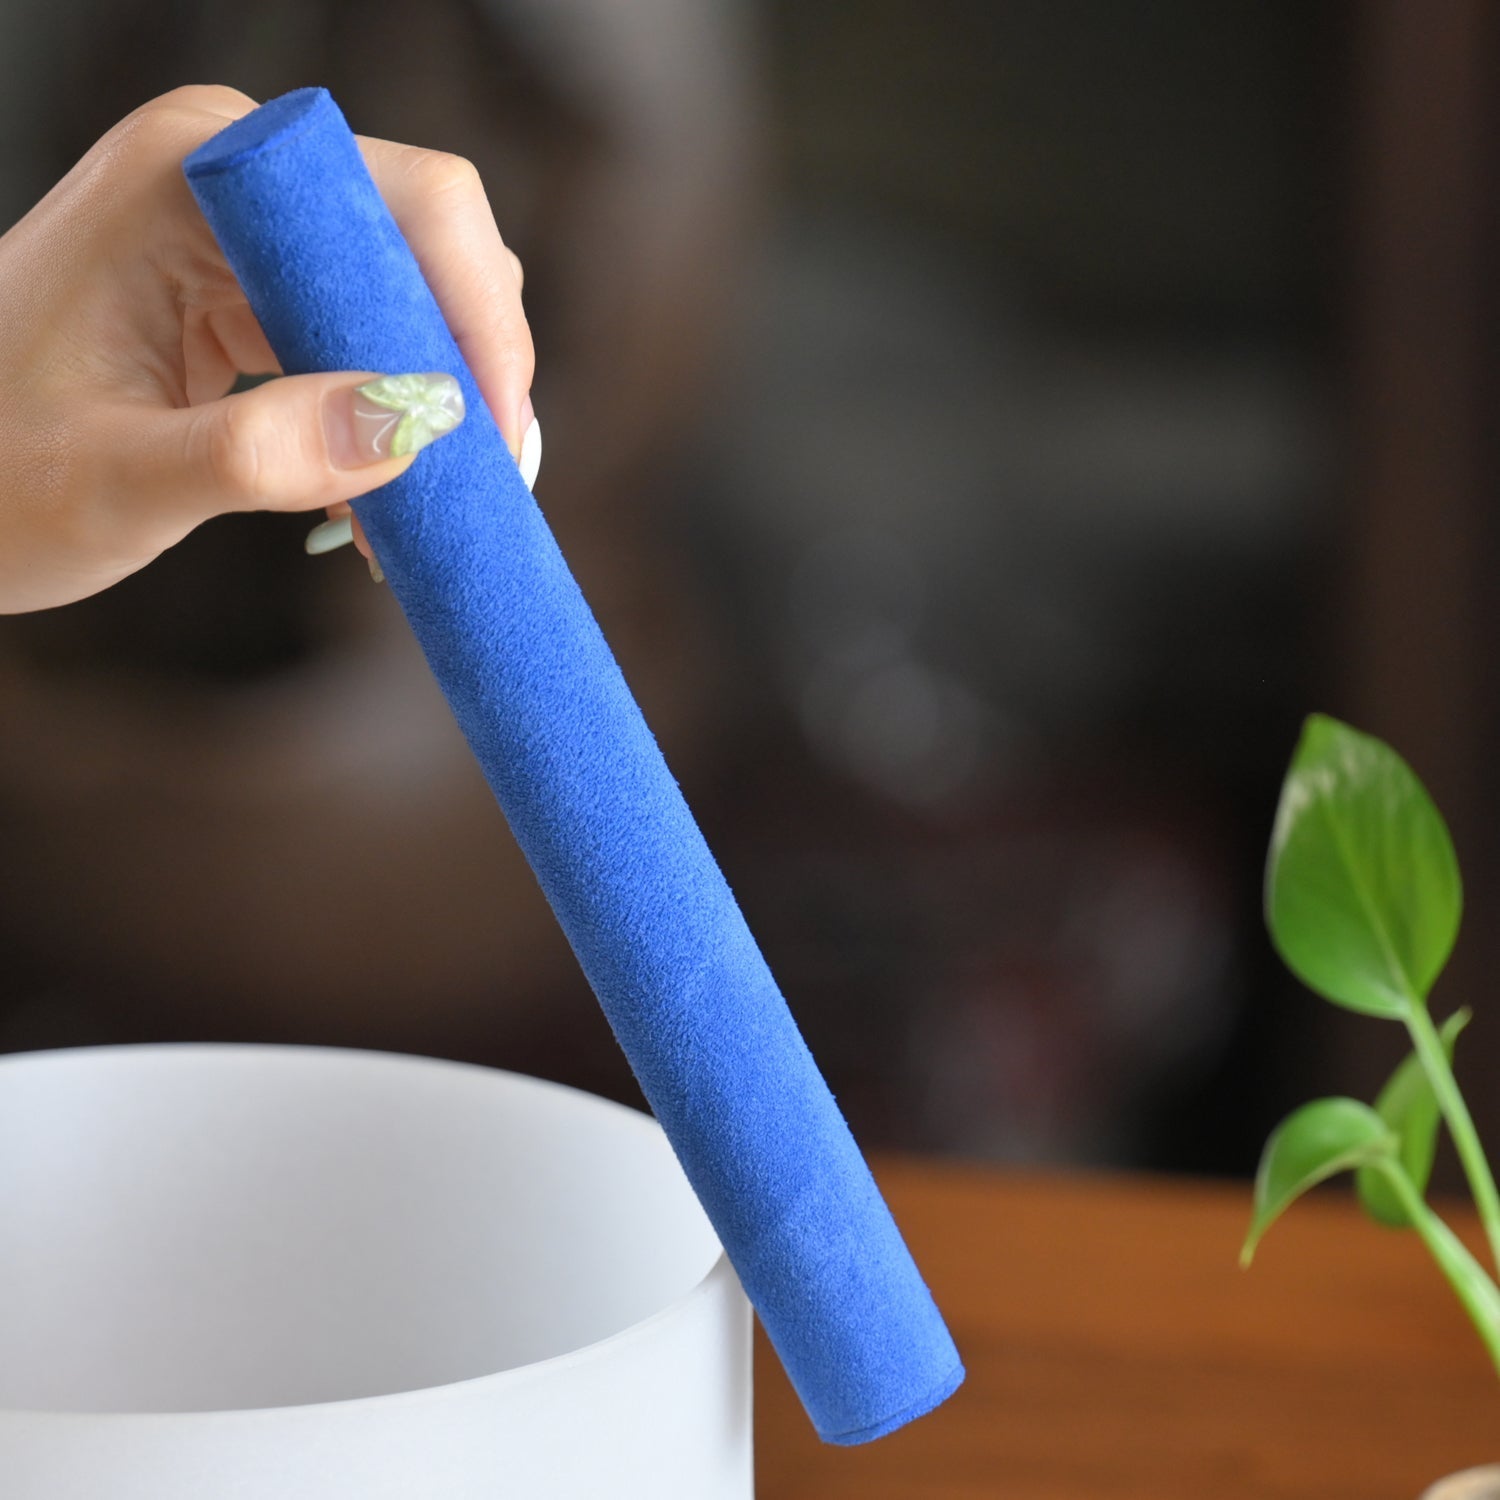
(124,327)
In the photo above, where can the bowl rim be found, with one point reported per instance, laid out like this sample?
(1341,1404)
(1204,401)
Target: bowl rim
(719,1279)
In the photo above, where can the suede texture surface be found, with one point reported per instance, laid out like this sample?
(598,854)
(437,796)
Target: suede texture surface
(593,806)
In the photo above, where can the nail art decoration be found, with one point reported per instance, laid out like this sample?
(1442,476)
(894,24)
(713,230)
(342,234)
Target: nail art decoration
(400,414)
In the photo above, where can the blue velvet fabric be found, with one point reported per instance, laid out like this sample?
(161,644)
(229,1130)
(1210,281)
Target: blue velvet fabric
(592,803)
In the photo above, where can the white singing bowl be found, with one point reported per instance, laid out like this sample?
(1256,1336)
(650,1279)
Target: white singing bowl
(288,1273)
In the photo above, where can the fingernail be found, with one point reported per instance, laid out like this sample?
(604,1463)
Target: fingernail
(390,417)
(530,460)
(376,571)
(331,535)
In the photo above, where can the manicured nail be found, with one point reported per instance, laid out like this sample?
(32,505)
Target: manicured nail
(331,535)
(390,417)
(530,460)
(376,571)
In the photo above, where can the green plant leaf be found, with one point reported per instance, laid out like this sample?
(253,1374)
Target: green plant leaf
(1409,1107)
(1363,896)
(1313,1143)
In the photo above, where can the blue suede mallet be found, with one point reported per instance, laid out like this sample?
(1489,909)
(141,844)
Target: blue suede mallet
(594,808)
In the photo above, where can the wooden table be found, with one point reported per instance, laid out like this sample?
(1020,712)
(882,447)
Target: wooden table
(1115,1351)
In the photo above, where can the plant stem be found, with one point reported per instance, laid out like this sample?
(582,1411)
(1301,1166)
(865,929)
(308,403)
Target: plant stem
(1478,1294)
(1434,1060)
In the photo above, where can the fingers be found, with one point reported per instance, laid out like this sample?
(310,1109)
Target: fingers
(201,98)
(341,528)
(284,445)
(138,163)
(162,307)
(291,444)
(440,204)
(436,198)
(219,344)
(237,332)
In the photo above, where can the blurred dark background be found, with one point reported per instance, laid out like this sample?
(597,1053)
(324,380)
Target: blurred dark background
(983,429)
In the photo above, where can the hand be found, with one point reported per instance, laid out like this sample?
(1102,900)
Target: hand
(124,328)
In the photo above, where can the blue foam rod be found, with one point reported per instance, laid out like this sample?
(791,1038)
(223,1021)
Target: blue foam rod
(592,804)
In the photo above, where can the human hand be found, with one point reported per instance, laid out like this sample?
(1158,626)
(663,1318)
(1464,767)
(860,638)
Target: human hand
(124,328)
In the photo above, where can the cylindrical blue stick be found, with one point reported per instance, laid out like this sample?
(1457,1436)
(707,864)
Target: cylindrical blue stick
(536,691)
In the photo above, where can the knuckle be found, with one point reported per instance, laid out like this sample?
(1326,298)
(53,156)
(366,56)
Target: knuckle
(174,123)
(234,454)
(205,98)
(517,269)
(445,175)
(153,131)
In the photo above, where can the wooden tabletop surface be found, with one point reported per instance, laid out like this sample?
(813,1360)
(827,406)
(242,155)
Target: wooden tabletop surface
(1116,1352)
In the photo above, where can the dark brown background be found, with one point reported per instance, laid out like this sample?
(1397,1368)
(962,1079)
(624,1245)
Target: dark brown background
(984,431)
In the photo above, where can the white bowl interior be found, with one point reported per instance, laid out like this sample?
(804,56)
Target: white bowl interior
(209,1228)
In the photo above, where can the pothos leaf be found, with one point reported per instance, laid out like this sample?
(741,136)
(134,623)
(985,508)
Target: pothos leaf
(1313,1143)
(1363,896)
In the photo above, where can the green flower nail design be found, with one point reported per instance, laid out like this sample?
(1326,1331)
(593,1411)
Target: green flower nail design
(401,414)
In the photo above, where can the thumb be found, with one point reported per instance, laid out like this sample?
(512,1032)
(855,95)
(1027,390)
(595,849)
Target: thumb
(297,443)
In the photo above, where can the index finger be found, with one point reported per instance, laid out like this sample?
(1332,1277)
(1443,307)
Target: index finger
(440,205)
